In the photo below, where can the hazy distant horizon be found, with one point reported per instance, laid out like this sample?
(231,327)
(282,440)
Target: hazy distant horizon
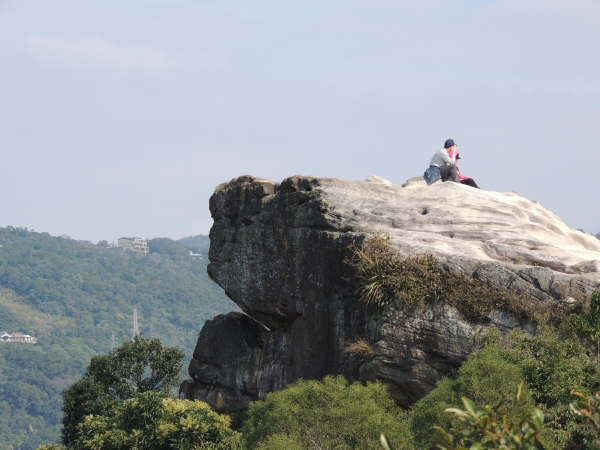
(120,119)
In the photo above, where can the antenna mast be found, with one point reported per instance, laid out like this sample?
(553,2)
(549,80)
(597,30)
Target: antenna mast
(136,327)
(113,342)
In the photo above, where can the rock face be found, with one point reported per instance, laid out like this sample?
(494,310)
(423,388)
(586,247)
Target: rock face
(279,251)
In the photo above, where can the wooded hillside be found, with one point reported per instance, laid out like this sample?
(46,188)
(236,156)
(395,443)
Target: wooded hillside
(74,297)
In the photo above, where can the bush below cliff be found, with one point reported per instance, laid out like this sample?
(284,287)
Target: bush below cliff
(552,363)
(328,414)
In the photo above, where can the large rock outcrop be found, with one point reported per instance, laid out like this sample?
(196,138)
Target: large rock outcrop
(279,250)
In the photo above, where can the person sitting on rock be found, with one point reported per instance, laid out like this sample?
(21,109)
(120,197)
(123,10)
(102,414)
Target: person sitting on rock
(463,180)
(442,165)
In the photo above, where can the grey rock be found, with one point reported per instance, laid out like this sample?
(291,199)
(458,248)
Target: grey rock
(279,251)
(223,368)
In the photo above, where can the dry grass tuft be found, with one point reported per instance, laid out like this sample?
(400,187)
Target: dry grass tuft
(361,348)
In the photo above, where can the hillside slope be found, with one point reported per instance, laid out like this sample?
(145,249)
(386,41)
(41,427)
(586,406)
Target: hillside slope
(74,296)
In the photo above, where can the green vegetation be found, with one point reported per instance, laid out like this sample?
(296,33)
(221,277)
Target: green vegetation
(74,297)
(552,363)
(123,403)
(151,421)
(498,426)
(588,406)
(169,247)
(494,427)
(198,243)
(486,377)
(330,414)
(135,367)
(384,277)
(589,324)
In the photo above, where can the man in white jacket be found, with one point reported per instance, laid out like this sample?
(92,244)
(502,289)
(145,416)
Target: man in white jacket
(442,165)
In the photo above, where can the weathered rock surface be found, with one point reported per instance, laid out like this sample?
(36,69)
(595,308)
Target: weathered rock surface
(278,250)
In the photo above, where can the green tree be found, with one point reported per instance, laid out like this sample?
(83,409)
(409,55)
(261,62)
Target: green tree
(552,362)
(589,324)
(330,414)
(135,367)
(102,243)
(589,406)
(486,377)
(31,330)
(499,426)
(151,421)
(279,442)
(198,243)
(166,246)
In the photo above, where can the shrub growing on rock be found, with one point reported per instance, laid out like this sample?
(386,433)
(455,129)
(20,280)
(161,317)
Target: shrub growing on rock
(384,276)
(360,348)
(325,414)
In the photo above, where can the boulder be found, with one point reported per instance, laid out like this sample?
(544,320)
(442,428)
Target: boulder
(280,251)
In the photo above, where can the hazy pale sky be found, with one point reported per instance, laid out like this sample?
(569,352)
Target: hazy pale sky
(119,118)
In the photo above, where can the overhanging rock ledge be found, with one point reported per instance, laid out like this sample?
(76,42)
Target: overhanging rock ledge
(279,250)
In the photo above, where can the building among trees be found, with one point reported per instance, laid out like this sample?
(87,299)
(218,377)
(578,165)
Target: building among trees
(135,244)
(17,337)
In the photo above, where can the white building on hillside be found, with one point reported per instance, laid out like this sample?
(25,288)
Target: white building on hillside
(135,244)
(17,337)
(195,255)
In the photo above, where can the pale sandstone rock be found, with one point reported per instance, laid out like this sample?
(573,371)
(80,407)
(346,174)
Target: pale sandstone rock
(416,182)
(278,250)
(375,179)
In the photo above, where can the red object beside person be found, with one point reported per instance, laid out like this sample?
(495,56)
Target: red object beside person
(455,155)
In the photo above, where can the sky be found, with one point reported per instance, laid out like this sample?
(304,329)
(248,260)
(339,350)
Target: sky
(119,118)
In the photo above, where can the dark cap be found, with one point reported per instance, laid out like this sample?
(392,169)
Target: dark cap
(448,143)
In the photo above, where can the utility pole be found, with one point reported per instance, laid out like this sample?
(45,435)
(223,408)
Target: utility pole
(136,327)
